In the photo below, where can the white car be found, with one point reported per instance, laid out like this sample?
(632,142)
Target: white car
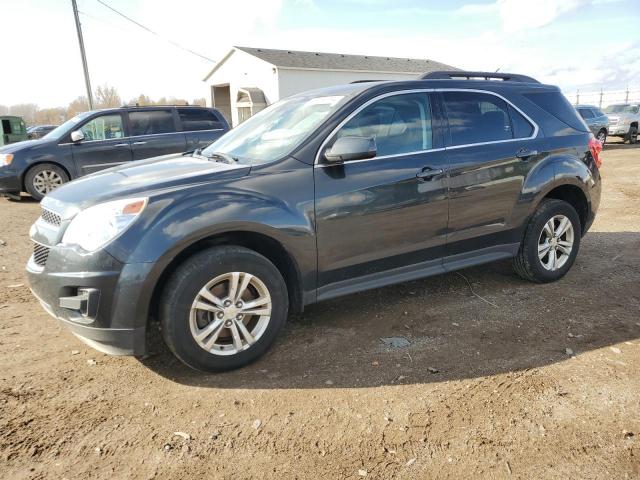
(623,120)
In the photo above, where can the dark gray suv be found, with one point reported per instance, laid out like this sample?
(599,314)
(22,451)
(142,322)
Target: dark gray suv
(322,194)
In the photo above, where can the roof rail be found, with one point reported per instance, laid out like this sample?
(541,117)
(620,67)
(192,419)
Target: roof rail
(365,81)
(463,74)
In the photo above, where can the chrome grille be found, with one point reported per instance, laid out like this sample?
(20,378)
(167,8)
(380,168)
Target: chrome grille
(40,254)
(50,217)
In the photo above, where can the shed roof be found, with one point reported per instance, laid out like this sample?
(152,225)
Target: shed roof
(338,61)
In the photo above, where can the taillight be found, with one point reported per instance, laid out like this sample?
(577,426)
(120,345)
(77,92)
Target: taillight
(595,147)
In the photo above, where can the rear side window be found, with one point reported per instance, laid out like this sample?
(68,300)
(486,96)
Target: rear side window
(6,127)
(476,118)
(521,126)
(399,124)
(150,122)
(557,105)
(198,119)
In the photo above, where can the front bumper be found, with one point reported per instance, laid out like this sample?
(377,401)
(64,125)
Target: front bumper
(9,182)
(115,323)
(618,130)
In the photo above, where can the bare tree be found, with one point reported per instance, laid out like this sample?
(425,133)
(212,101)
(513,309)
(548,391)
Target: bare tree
(107,97)
(199,101)
(51,116)
(80,104)
(25,110)
(4,110)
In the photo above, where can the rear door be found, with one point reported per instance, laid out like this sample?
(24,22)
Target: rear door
(155,132)
(105,144)
(201,126)
(491,146)
(378,215)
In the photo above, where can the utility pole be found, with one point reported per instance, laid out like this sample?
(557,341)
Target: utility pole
(83,54)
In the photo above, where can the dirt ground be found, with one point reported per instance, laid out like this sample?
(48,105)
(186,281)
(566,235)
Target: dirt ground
(502,378)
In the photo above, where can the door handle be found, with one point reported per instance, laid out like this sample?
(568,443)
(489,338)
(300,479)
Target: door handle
(121,145)
(427,173)
(139,143)
(525,153)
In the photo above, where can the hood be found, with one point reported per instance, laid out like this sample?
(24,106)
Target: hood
(140,178)
(24,145)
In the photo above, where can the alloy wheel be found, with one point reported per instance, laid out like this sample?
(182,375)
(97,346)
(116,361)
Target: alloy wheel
(555,242)
(47,181)
(230,313)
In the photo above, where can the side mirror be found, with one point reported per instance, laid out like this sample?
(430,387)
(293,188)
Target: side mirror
(77,136)
(351,148)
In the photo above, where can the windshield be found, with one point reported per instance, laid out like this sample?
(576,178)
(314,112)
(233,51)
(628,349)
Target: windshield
(276,130)
(618,108)
(67,126)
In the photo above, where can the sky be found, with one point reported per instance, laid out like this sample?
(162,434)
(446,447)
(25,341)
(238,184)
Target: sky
(576,44)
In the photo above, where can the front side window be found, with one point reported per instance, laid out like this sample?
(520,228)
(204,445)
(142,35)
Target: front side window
(277,130)
(198,119)
(398,124)
(585,113)
(151,122)
(477,118)
(104,127)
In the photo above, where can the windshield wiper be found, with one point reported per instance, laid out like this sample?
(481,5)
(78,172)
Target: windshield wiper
(224,157)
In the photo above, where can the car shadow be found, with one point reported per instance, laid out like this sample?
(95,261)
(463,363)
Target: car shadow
(472,323)
(619,146)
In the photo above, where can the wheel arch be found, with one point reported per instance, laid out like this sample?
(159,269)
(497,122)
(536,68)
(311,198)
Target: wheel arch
(261,243)
(33,165)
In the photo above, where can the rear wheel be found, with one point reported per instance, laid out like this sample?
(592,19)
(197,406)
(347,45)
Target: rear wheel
(223,308)
(43,179)
(550,244)
(632,136)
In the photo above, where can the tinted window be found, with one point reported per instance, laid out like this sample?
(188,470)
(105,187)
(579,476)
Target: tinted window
(520,125)
(104,127)
(6,127)
(557,105)
(585,113)
(198,119)
(476,118)
(149,122)
(399,124)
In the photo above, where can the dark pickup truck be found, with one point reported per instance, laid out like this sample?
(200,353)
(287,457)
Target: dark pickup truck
(99,139)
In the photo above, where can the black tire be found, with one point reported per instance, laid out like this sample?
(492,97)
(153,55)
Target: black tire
(37,190)
(632,136)
(527,264)
(182,289)
(602,136)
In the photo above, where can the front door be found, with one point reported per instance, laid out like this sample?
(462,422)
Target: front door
(154,133)
(387,216)
(104,145)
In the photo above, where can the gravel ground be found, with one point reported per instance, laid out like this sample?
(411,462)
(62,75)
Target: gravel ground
(501,378)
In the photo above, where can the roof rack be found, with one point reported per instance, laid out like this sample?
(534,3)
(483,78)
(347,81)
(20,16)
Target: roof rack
(462,74)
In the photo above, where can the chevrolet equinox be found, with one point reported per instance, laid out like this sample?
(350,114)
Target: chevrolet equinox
(322,194)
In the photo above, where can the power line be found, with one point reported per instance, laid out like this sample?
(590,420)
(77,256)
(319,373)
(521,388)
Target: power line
(155,33)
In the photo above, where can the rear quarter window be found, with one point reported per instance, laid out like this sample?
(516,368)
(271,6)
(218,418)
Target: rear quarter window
(557,105)
(198,119)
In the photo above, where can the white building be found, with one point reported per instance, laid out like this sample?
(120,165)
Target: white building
(248,79)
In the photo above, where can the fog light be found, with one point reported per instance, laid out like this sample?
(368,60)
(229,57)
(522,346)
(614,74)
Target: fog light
(85,302)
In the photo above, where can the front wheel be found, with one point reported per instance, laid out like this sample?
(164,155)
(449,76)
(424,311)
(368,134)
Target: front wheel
(633,135)
(550,244)
(602,136)
(223,308)
(43,179)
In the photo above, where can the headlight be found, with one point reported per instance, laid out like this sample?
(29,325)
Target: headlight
(6,159)
(98,225)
